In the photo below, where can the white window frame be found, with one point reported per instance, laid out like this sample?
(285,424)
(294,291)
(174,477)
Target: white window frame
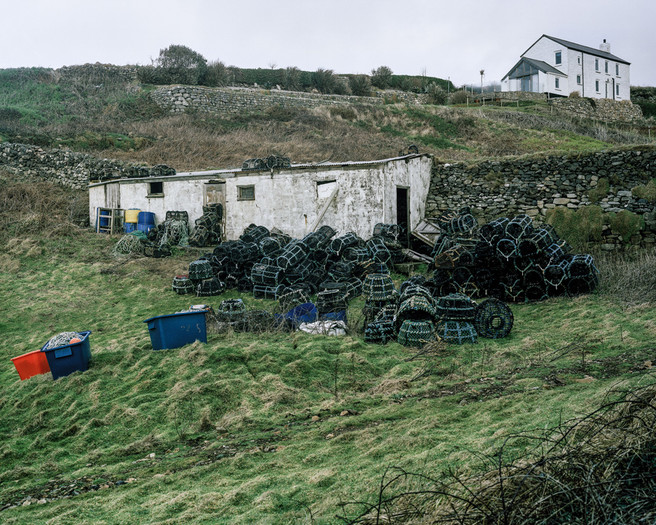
(557,83)
(246,192)
(558,58)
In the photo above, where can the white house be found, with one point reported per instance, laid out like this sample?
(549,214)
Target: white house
(348,196)
(559,67)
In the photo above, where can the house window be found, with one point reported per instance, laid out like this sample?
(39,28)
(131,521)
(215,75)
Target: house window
(156,189)
(246,193)
(606,67)
(578,59)
(559,58)
(597,86)
(578,79)
(617,70)
(596,64)
(557,83)
(617,90)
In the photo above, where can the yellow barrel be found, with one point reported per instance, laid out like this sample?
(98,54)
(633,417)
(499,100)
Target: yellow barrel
(132,215)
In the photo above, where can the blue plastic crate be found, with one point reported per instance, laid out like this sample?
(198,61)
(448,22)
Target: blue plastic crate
(64,360)
(176,330)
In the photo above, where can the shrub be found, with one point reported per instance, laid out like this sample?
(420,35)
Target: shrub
(645,191)
(459,97)
(599,191)
(381,77)
(360,85)
(217,74)
(324,80)
(436,94)
(291,79)
(626,224)
(181,64)
(575,94)
(577,227)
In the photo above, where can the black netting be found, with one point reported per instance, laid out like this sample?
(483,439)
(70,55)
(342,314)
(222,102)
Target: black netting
(493,319)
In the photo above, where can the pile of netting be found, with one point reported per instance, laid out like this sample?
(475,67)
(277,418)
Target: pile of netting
(273,265)
(508,258)
(415,314)
(174,231)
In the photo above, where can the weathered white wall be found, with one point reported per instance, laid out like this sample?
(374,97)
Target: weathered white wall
(290,199)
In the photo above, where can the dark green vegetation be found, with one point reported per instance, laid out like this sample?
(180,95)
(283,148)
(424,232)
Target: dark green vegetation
(277,428)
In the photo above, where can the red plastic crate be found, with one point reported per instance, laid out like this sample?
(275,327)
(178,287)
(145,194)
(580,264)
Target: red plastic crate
(31,364)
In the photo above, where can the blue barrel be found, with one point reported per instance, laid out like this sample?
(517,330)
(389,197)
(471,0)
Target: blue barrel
(129,227)
(145,221)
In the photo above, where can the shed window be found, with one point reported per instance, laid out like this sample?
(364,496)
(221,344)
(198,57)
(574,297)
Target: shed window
(246,193)
(155,189)
(559,58)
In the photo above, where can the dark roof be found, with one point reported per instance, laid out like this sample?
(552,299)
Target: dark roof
(583,49)
(538,64)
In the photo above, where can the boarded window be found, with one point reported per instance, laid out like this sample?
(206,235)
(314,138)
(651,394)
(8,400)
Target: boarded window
(246,193)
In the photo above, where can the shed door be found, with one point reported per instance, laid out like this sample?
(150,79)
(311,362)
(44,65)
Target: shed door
(214,192)
(113,195)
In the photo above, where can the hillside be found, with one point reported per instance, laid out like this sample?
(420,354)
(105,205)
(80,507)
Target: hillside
(118,120)
(289,427)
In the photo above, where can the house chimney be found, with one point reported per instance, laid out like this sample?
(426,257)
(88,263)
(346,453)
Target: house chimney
(604,46)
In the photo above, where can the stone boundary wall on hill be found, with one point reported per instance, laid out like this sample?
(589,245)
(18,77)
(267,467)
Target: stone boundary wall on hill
(233,100)
(534,185)
(597,109)
(68,168)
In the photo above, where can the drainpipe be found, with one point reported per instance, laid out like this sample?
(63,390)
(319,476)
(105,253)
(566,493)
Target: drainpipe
(582,74)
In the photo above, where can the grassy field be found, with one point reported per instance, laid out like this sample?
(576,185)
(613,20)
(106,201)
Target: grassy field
(274,428)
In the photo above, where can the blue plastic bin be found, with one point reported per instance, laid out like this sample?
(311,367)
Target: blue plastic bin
(145,221)
(334,316)
(129,227)
(64,360)
(176,330)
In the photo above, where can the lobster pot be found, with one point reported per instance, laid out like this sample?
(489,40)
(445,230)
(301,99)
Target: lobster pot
(245,252)
(254,234)
(301,271)
(535,291)
(414,290)
(493,230)
(261,291)
(348,240)
(506,248)
(333,300)
(462,223)
(450,257)
(231,310)
(215,210)
(522,265)
(416,333)
(177,216)
(378,250)
(272,246)
(457,332)
(319,239)
(415,280)
(455,306)
(341,270)
(290,297)
(200,270)
(266,274)
(380,332)
(376,310)
(416,307)
(389,231)
(182,285)
(378,287)
(513,290)
(581,284)
(209,287)
(294,253)
(555,274)
(557,250)
(356,254)
(493,319)
(461,276)
(581,266)
(519,227)
(353,287)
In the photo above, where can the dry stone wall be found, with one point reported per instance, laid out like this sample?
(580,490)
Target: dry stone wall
(68,168)
(233,100)
(535,185)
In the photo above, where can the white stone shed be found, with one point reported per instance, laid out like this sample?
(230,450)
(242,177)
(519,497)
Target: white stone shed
(348,196)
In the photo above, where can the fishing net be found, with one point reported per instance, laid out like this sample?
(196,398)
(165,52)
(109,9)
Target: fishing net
(493,319)
(62,339)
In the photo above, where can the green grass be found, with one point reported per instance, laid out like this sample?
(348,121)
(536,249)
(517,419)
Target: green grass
(276,428)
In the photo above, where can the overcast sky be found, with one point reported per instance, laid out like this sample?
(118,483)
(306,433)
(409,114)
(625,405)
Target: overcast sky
(447,39)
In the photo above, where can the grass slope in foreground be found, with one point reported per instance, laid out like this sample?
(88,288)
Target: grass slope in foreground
(278,428)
